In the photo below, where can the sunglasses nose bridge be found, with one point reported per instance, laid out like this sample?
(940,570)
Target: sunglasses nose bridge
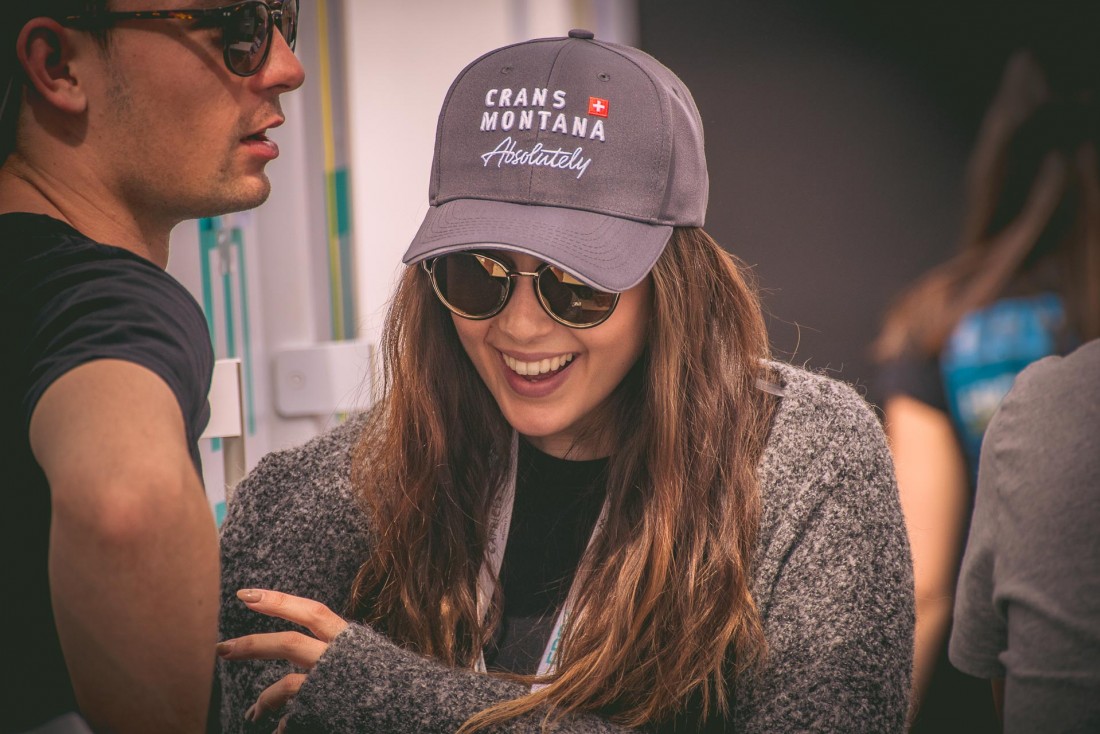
(513,274)
(528,316)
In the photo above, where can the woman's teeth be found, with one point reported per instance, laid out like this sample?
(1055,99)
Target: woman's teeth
(541,367)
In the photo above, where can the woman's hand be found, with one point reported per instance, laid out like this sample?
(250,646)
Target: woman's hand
(300,649)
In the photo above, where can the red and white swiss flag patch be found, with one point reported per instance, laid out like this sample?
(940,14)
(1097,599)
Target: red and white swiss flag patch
(598,107)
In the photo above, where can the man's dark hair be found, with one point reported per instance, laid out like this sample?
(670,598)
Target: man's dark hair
(14,14)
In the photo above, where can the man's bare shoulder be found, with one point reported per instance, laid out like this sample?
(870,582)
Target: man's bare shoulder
(107,415)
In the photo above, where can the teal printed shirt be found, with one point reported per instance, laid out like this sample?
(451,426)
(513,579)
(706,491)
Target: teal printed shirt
(986,351)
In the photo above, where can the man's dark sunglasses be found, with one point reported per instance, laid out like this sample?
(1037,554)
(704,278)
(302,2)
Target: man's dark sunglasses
(247,28)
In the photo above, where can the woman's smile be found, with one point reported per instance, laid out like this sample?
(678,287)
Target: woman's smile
(533,370)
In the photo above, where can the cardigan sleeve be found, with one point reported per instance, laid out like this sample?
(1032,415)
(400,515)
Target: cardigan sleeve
(364,683)
(294,526)
(836,587)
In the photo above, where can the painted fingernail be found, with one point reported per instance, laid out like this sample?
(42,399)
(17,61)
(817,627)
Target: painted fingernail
(249,595)
(224,648)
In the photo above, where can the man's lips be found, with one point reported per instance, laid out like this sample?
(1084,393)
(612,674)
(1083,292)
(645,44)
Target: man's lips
(260,133)
(260,145)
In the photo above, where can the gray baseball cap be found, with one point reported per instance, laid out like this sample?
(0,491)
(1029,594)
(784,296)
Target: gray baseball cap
(582,153)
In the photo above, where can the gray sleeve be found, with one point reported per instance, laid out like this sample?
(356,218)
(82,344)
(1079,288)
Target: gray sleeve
(365,683)
(1028,606)
(839,610)
(293,526)
(979,628)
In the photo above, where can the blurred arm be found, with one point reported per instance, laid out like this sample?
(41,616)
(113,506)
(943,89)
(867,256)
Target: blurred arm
(133,549)
(932,484)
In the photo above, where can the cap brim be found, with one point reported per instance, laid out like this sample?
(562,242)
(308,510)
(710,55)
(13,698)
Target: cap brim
(606,252)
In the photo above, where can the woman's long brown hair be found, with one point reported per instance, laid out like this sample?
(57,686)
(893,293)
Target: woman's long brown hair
(664,612)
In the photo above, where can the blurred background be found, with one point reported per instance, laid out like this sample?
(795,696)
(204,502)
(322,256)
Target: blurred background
(837,138)
(837,135)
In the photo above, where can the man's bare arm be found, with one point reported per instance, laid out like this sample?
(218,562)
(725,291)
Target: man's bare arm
(133,549)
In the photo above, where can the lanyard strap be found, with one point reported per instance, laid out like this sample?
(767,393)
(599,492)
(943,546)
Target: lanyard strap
(500,519)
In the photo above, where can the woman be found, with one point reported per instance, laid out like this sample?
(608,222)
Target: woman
(1025,285)
(584,499)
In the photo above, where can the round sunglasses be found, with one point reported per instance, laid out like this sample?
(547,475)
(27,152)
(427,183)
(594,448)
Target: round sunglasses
(247,28)
(477,286)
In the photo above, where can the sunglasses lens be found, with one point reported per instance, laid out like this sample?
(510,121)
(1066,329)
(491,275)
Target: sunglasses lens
(247,34)
(572,301)
(470,284)
(288,24)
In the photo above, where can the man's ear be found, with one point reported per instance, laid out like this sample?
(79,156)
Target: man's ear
(46,50)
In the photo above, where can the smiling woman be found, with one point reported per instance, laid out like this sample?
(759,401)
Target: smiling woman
(586,499)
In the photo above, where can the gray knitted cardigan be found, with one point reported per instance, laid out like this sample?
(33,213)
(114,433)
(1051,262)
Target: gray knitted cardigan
(832,580)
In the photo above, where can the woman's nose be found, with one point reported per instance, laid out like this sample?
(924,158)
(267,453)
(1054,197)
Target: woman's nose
(523,318)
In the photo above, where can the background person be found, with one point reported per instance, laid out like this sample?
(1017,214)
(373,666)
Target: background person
(116,126)
(583,474)
(1027,614)
(1025,285)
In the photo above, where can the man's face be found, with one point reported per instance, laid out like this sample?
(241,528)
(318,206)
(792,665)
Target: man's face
(174,131)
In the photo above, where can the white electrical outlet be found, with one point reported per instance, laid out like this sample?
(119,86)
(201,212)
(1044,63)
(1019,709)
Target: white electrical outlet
(323,379)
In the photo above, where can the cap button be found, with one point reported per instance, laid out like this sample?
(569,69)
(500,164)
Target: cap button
(582,33)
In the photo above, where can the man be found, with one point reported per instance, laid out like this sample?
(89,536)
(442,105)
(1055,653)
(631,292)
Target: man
(116,125)
(1027,611)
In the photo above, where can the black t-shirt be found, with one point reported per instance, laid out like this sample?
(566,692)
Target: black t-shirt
(914,375)
(556,506)
(65,301)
